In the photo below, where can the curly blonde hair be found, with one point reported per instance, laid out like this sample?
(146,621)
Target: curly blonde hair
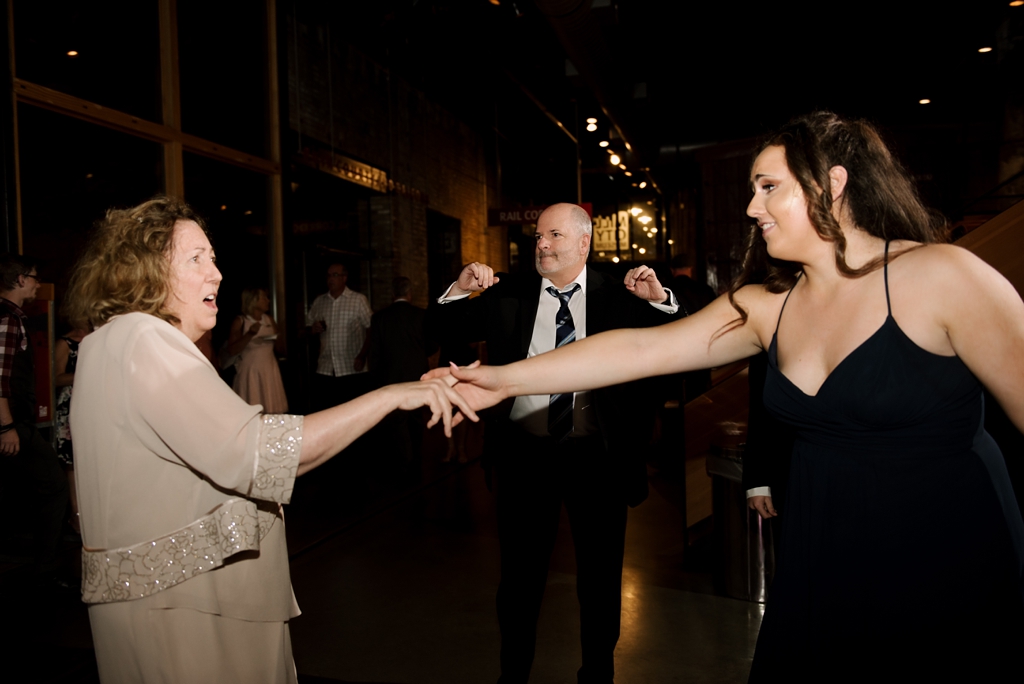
(125,267)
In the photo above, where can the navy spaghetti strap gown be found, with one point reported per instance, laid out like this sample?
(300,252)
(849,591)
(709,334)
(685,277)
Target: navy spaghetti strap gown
(901,557)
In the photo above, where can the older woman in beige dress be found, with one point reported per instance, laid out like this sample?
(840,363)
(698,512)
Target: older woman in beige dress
(180,481)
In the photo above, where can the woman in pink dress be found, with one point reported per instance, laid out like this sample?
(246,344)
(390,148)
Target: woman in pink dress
(254,337)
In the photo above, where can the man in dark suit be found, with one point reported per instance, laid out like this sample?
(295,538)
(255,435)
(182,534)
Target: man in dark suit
(399,349)
(585,451)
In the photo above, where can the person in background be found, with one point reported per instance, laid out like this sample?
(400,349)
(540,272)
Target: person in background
(341,317)
(65,358)
(584,451)
(398,352)
(185,566)
(254,337)
(28,458)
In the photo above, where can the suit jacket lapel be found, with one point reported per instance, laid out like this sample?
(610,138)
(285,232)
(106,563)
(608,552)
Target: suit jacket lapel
(597,302)
(528,294)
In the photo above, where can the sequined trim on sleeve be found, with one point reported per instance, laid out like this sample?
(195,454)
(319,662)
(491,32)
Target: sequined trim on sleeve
(136,571)
(277,461)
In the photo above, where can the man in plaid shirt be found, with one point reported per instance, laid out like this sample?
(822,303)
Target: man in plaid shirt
(342,319)
(26,452)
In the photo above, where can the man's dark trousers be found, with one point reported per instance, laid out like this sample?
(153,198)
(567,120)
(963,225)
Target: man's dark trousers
(531,489)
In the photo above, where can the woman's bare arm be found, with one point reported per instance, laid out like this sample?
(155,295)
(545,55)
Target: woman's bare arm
(709,338)
(238,339)
(983,316)
(326,433)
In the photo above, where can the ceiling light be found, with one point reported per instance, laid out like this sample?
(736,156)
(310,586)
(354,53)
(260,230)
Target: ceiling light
(1017,3)
(671,242)
(924,101)
(651,203)
(654,230)
(72,53)
(495,2)
(600,254)
(614,159)
(591,127)
(649,235)
(629,173)
(642,250)
(645,220)
(88,175)
(636,211)
(634,245)
(985,49)
(603,143)
(628,147)
(592,120)
(622,166)
(643,184)
(615,260)
(223,207)
(247,212)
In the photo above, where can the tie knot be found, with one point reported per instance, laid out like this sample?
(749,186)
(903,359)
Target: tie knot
(564,296)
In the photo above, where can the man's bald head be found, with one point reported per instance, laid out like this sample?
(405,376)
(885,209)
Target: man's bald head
(563,241)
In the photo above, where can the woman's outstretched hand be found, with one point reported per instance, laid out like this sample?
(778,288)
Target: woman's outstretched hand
(438,395)
(480,386)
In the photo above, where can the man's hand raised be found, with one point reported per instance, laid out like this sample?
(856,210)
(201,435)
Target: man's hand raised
(643,282)
(474,278)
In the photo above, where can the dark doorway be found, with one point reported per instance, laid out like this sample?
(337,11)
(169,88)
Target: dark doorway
(444,251)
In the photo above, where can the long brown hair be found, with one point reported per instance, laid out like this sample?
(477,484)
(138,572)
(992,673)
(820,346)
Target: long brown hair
(125,267)
(879,194)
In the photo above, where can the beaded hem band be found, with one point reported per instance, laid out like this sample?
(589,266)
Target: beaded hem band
(279,444)
(137,571)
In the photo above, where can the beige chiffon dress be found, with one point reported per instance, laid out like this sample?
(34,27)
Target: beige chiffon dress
(258,377)
(180,482)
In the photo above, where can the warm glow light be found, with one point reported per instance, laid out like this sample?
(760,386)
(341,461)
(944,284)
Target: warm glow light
(671,242)
(645,220)
(603,143)
(1017,3)
(636,211)
(643,184)
(654,230)
(634,245)
(924,101)
(642,250)
(628,147)
(495,2)
(614,159)
(223,207)
(600,254)
(591,120)
(591,127)
(88,175)
(615,260)
(985,49)
(629,173)
(247,212)
(622,166)
(72,53)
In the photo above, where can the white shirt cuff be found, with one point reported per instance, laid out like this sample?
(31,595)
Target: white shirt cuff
(759,491)
(670,308)
(444,299)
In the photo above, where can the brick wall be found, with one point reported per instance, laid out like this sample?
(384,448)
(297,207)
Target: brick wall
(340,99)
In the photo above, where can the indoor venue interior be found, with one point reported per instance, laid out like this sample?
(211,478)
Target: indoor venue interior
(387,145)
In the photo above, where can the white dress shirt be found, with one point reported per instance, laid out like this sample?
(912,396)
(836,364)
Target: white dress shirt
(531,411)
(348,319)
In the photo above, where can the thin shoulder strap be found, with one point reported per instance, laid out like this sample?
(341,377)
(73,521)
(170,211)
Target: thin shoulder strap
(888,304)
(786,301)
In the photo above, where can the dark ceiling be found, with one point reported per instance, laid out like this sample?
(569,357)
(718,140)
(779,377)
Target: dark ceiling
(672,76)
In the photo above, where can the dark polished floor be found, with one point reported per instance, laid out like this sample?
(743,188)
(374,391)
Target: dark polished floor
(396,578)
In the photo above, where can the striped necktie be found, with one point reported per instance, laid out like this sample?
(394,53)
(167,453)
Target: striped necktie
(560,405)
